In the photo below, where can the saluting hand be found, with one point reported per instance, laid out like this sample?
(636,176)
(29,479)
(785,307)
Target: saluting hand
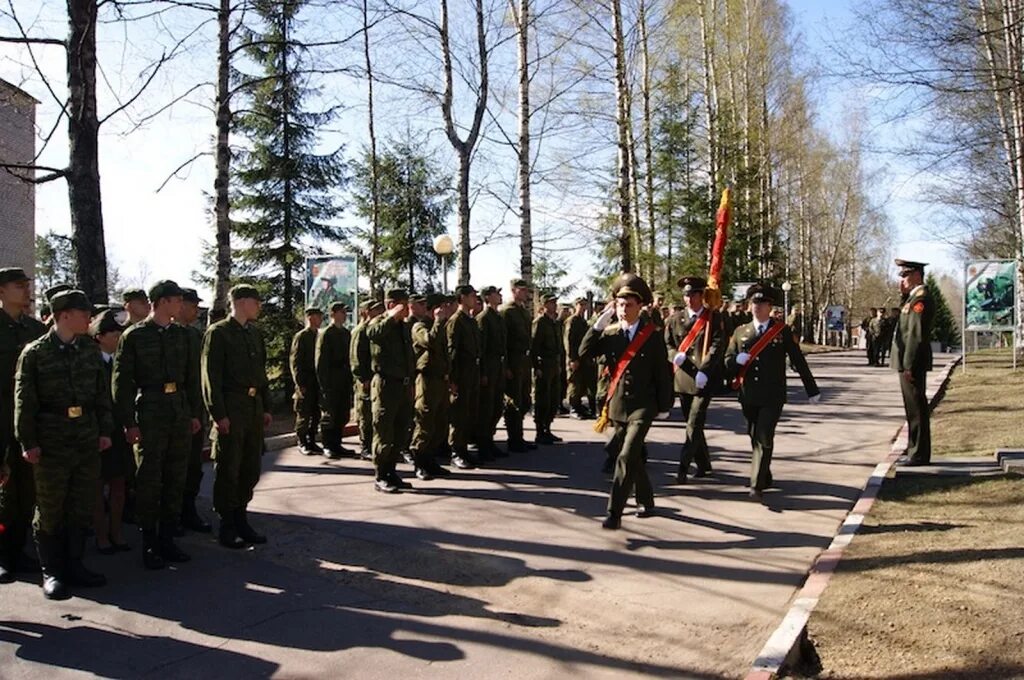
(133,434)
(32,455)
(195,426)
(105,443)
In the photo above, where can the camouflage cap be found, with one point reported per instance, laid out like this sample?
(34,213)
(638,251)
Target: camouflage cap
(310,311)
(70,299)
(104,322)
(549,298)
(12,275)
(52,291)
(418,298)
(397,295)
(164,289)
(520,283)
(190,295)
(338,307)
(243,291)
(465,289)
(436,300)
(134,294)
(374,306)
(490,290)
(580,301)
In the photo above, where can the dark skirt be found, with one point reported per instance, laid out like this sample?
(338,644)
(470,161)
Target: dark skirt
(118,460)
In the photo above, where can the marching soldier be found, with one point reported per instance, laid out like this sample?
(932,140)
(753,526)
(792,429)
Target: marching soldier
(236,393)
(695,337)
(334,375)
(640,390)
(302,362)
(546,370)
(362,374)
(492,372)
(392,389)
(136,304)
(17,486)
(756,359)
(517,365)
(62,415)
(156,391)
(190,517)
(911,357)
(430,345)
(464,345)
(578,370)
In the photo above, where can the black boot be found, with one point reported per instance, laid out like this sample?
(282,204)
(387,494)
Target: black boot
(51,561)
(168,549)
(191,519)
(151,557)
(77,574)
(312,448)
(227,535)
(245,531)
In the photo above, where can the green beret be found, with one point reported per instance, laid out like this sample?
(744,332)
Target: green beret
(50,292)
(465,289)
(243,291)
(12,275)
(134,294)
(70,299)
(190,295)
(339,307)
(310,311)
(397,295)
(165,289)
(104,322)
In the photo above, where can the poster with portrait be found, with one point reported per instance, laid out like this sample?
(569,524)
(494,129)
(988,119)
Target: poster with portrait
(990,295)
(330,279)
(835,318)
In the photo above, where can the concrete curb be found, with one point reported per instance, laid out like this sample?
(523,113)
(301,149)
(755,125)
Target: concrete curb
(788,646)
(1011,460)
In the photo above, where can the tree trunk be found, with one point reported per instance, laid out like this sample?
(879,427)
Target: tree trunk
(463,212)
(645,91)
(288,304)
(374,274)
(710,97)
(622,120)
(525,216)
(221,182)
(83,139)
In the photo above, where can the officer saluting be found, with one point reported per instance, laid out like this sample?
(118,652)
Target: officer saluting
(912,358)
(756,358)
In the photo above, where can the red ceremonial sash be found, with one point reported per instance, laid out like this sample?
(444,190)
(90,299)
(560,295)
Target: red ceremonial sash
(691,337)
(761,343)
(620,368)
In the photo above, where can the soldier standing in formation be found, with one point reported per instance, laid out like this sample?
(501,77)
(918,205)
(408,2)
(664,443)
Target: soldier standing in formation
(464,348)
(640,390)
(136,304)
(695,337)
(190,517)
(911,357)
(156,392)
(334,375)
(302,363)
(756,358)
(870,337)
(17,486)
(876,327)
(546,355)
(518,368)
(63,422)
(578,369)
(235,390)
(392,389)
(494,344)
(430,345)
(564,313)
(362,374)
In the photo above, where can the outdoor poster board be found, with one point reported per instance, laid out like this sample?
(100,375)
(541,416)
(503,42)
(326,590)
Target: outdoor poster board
(989,295)
(739,290)
(835,318)
(330,279)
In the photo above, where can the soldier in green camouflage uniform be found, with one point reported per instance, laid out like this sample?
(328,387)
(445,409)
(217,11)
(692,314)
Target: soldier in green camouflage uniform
(62,416)
(564,313)
(190,517)
(157,400)
(137,304)
(430,425)
(518,370)
(236,393)
(464,345)
(334,375)
(394,367)
(362,374)
(578,369)
(17,486)
(492,372)
(302,362)
(547,370)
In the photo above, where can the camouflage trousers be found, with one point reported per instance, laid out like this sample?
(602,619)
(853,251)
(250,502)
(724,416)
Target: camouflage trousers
(307,413)
(392,420)
(492,399)
(237,455)
(430,421)
(464,412)
(161,462)
(66,475)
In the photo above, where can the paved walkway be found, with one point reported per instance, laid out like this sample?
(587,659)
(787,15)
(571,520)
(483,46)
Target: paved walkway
(496,573)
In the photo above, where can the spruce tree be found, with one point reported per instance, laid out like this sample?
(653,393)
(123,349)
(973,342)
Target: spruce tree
(945,329)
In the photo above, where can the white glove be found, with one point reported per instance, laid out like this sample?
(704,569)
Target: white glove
(815,399)
(679,359)
(701,379)
(605,318)
(742,358)
(663,415)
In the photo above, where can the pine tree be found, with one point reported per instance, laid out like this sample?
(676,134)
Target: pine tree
(945,329)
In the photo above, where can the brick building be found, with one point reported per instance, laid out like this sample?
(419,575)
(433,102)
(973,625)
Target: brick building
(17,198)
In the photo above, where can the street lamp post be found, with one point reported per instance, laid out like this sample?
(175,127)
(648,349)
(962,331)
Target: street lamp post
(786,287)
(443,246)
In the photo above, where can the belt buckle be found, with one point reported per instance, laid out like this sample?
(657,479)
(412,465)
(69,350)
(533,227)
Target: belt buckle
(74,412)
(170,388)
(251,392)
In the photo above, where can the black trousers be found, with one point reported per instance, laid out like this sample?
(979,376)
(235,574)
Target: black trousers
(915,404)
(630,468)
(695,448)
(761,422)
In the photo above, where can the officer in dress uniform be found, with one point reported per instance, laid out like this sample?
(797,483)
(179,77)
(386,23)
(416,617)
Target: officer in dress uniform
(759,368)
(911,357)
(302,362)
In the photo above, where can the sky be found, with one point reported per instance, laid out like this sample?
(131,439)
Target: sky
(153,234)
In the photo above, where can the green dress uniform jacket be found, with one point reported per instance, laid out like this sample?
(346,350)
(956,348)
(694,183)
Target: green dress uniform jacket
(302,363)
(547,368)
(156,387)
(394,365)
(912,351)
(235,386)
(464,348)
(494,344)
(62,405)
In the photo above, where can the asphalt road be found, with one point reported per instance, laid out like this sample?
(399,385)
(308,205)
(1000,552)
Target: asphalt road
(501,572)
